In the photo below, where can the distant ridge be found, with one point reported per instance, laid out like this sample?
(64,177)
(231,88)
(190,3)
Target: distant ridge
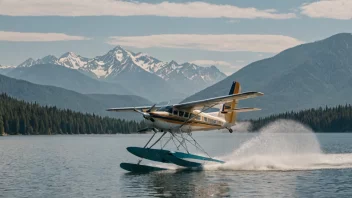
(55,75)
(306,76)
(66,99)
(5,69)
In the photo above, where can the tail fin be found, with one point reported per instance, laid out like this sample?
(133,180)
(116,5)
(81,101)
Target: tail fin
(235,88)
(228,108)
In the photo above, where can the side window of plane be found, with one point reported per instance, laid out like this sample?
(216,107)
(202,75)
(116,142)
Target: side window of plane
(198,118)
(186,115)
(205,119)
(181,113)
(175,112)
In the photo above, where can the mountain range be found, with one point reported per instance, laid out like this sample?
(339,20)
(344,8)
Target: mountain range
(5,69)
(306,76)
(67,99)
(50,74)
(138,73)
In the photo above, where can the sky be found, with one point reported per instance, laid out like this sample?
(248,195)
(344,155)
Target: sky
(227,33)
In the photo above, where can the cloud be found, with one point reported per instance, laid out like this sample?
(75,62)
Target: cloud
(133,8)
(211,62)
(334,9)
(37,37)
(210,42)
(224,66)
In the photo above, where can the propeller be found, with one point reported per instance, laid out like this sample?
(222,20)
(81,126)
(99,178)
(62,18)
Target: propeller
(146,114)
(151,109)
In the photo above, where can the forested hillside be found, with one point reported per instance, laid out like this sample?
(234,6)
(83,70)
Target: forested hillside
(67,99)
(23,118)
(335,119)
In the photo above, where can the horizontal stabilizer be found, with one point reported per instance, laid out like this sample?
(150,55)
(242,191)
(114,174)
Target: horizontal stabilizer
(246,109)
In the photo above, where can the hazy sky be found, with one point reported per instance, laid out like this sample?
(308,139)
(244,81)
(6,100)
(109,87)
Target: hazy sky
(227,33)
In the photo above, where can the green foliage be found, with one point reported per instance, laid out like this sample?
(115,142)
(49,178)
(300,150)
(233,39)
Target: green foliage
(335,119)
(19,117)
(1,125)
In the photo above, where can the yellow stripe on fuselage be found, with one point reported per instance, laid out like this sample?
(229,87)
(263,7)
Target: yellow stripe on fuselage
(166,117)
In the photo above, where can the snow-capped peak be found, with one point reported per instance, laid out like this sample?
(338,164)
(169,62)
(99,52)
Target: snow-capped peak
(7,67)
(141,54)
(71,60)
(119,60)
(68,54)
(28,63)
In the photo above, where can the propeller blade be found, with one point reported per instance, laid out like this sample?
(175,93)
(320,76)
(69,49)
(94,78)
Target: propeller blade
(145,115)
(151,109)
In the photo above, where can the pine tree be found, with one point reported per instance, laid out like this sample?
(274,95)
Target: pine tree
(19,117)
(2,131)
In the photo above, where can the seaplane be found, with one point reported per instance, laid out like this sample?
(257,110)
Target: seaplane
(179,121)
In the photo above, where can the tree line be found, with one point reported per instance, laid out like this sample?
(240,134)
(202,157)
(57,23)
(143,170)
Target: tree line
(24,118)
(328,119)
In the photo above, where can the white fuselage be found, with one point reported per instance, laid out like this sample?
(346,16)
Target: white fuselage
(182,122)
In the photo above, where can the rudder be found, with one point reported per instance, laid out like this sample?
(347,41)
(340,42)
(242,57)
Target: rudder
(228,108)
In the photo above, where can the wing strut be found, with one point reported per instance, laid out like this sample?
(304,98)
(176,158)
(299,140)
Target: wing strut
(150,138)
(158,139)
(140,160)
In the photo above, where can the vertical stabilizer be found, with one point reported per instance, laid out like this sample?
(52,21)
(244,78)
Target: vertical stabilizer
(228,108)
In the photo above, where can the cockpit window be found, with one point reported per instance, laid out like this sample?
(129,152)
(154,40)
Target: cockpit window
(166,108)
(175,112)
(186,115)
(181,113)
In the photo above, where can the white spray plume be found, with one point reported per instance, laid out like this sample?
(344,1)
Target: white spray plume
(282,145)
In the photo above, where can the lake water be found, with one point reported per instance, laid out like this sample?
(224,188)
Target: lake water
(277,162)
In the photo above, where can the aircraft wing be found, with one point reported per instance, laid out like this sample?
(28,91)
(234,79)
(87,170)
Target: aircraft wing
(141,108)
(217,100)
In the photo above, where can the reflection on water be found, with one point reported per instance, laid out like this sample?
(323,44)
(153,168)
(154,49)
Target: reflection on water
(210,184)
(174,184)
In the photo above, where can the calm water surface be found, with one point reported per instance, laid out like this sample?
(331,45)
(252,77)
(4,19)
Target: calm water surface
(275,165)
